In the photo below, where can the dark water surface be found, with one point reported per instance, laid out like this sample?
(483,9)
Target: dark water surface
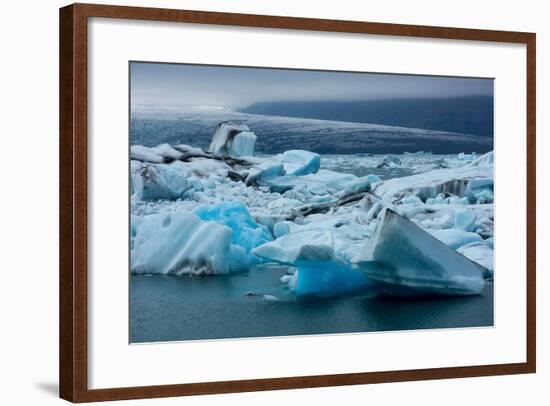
(171,308)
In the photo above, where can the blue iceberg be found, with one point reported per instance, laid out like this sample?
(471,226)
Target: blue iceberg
(247,234)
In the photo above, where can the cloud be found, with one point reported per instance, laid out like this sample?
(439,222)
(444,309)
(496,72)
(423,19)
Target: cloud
(163,84)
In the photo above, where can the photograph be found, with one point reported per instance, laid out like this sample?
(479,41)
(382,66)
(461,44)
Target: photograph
(279,202)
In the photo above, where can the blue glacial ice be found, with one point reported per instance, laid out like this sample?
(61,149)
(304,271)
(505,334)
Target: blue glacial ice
(328,279)
(409,261)
(322,261)
(246,234)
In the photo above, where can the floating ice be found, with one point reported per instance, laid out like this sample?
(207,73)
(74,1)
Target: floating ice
(409,261)
(389,161)
(247,234)
(233,140)
(455,238)
(180,243)
(485,159)
(298,162)
(159,181)
(263,172)
(145,154)
(465,219)
(467,157)
(444,182)
(411,200)
(480,190)
(243,144)
(306,245)
(481,253)
(328,279)
(362,184)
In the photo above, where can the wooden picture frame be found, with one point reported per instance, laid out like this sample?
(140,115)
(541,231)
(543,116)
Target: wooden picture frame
(73,209)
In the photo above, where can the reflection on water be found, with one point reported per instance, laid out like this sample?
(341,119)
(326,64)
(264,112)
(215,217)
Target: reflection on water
(169,308)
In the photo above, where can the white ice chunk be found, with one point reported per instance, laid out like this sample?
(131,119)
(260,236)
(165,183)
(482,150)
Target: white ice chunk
(362,184)
(263,172)
(243,144)
(307,245)
(481,253)
(180,243)
(145,154)
(159,181)
(226,140)
(455,238)
(427,185)
(298,162)
(167,152)
(411,200)
(389,161)
(483,160)
(465,219)
(408,260)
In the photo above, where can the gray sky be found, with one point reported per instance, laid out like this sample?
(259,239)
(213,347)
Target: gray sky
(178,85)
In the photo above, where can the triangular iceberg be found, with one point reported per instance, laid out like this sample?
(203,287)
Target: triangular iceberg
(407,260)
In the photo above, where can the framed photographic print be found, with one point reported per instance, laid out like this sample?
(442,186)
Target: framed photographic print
(256,202)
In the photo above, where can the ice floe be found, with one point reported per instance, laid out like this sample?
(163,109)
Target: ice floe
(428,230)
(233,140)
(181,243)
(410,261)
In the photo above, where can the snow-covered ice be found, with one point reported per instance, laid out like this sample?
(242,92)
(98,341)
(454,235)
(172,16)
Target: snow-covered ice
(181,243)
(416,223)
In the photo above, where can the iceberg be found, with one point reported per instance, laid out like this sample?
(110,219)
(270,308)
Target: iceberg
(233,140)
(480,190)
(243,144)
(360,185)
(247,234)
(328,279)
(389,161)
(485,159)
(407,260)
(481,253)
(181,243)
(259,174)
(453,181)
(159,181)
(315,245)
(145,154)
(455,238)
(322,262)
(298,162)
(465,220)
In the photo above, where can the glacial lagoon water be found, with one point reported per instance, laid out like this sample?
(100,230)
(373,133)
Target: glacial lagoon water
(172,308)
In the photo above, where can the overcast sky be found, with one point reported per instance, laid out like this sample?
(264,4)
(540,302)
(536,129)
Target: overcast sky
(175,85)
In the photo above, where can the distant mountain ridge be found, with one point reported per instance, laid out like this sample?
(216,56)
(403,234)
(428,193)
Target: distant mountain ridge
(467,115)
